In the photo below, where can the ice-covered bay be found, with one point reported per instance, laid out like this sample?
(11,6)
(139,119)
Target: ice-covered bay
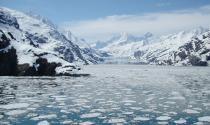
(113,94)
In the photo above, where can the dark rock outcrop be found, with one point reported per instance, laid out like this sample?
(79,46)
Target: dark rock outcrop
(7,19)
(8,62)
(8,57)
(4,41)
(40,68)
(44,68)
(196,61)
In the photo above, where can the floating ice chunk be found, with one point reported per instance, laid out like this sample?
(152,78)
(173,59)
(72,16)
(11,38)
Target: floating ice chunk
(78,85)
(147,110)
(16,112)
(115,108)
(127,113)
(128,101)
(116,120)
(32,114)
(80,100)
(32,109)
(141,119)
(206,104)
(172,113)
(1,116)
(163,118)
(87,123)
(177,98)
(15,106)
(43,123)
(149,99)
(60,98)
(67,122)
(90,115)
(199,123)
(163,123)
(190,111)
(198,109)
(170,102)
(127,104)
(51,116)
(102,117)
(98,110)
(180,121)
(204,119)
(64,111)
(136,108)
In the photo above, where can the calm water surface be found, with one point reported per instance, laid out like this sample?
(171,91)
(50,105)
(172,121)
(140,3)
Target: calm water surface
(113,94)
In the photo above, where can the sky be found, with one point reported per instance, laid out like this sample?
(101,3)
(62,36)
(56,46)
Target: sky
(101,19)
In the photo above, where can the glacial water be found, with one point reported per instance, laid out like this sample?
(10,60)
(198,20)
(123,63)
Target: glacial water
(113,94)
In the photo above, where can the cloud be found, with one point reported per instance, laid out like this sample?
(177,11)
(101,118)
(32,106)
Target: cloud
(156,23)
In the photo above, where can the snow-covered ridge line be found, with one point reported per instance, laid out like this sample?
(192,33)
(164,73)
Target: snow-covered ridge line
(37,41)
(163,50)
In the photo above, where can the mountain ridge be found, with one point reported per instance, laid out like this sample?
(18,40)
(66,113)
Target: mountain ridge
(157,50)
(35,38)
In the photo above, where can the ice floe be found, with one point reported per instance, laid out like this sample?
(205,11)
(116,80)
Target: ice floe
(116,120)
(87,123)
(50,116)
(204,119)
(180,121)
(16,112)
(1,116)
(163,118)
(141,118)
(162,123)
(127,113)
(43,123)
(190,111)
(90,115)
(177,98)
(67,122)
(15,106)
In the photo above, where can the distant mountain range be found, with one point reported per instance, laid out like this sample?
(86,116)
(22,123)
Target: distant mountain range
(182,48)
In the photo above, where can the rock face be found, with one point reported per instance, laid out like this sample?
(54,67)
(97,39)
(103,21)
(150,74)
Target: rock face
(9,62)
(8,57)
(194,52)
(41,68)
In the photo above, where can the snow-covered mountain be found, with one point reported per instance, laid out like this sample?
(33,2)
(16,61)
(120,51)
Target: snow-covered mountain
(166,49)
(35,37)
(176,49)
(96,54)
(124,45)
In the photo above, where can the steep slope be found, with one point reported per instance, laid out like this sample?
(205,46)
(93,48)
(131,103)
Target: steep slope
(28,52)
(34,38)
(93,55)
(176,49)
(45,35)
